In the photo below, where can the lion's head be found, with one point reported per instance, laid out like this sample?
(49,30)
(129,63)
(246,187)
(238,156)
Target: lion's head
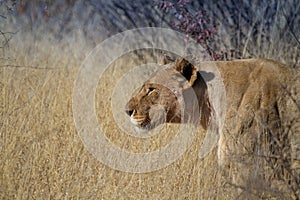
(177,93)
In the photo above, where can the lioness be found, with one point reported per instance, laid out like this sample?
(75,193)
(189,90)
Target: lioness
(255,97)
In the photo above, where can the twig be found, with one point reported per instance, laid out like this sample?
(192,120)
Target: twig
(6,39)
(31,67)
(290,28)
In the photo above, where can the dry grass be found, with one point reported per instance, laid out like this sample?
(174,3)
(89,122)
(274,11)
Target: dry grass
(42,155)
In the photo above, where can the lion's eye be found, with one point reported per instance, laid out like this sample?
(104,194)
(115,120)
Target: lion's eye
(150,90)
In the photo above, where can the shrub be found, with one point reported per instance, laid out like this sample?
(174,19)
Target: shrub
(197,25)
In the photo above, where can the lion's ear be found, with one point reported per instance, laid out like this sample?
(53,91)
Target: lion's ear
(188,70)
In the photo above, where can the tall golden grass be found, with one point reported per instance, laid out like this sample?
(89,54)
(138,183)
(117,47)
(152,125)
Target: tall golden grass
(43,157)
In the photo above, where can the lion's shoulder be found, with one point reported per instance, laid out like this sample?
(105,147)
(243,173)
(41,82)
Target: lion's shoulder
(253,74)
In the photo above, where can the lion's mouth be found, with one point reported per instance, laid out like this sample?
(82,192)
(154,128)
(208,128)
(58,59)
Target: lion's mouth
(155,116)
(143,123)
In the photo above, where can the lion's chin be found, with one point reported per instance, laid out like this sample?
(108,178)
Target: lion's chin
(141,130)
(144,129)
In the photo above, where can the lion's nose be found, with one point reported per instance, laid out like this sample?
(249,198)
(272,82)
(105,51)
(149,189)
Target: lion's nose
(129,107)
(129,112)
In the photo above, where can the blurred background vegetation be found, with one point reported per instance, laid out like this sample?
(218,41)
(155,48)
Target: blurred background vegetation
(252,28)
